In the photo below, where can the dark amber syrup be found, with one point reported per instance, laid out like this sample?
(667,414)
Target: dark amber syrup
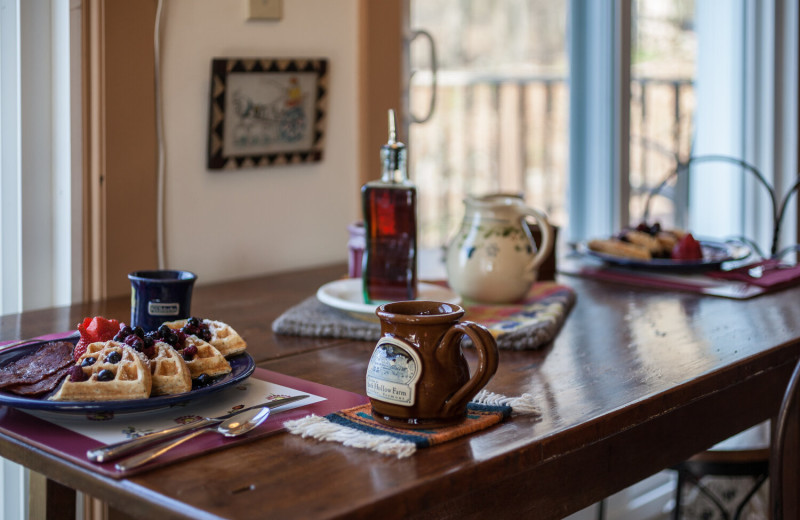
(389,268)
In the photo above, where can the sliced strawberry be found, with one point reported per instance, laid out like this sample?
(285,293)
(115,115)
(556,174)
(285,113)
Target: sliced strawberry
(93,330)
(80,349)
(84,325)
(688,248)
(105,329)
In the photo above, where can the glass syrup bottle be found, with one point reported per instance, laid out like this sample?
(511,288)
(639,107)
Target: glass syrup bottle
(389,270)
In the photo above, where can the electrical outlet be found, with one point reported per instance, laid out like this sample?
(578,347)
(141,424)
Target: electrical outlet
(264,9)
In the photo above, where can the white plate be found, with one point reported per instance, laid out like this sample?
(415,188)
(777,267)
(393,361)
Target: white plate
(347,295)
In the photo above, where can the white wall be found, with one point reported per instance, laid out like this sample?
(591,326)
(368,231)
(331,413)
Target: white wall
(233,224)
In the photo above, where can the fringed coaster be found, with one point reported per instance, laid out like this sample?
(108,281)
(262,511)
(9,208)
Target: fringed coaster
(356,428)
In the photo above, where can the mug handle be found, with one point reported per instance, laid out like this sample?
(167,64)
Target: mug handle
(547,237)
(486,346)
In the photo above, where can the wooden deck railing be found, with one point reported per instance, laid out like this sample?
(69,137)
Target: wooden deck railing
(510,134)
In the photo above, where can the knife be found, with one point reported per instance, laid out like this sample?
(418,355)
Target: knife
(114,451)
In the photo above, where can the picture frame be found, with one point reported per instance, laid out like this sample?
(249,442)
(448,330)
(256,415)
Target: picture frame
(266,112)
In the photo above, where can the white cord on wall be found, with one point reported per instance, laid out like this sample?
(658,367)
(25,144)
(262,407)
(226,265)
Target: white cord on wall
(160,227)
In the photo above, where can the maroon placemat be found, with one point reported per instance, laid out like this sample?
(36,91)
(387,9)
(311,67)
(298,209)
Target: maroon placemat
(72,446)
(702,283)
(769,274)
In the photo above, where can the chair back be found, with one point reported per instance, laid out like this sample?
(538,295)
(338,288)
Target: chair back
(782,462)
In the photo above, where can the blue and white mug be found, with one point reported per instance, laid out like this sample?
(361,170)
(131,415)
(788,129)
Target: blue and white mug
(160,295)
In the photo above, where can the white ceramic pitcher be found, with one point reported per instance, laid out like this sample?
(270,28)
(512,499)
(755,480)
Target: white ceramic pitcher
(493,258)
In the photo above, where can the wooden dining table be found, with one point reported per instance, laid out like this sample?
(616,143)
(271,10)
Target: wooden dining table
(636,380)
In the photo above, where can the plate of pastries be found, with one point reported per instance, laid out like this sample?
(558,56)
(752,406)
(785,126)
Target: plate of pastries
(651,247)
(109,366)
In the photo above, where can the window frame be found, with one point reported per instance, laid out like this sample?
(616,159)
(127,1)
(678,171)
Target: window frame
(599,186)
(41,171)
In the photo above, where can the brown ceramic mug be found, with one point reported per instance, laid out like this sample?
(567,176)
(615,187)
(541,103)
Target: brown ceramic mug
(418,376)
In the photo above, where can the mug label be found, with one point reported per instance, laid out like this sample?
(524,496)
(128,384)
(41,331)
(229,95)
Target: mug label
(393,372)
(163,309)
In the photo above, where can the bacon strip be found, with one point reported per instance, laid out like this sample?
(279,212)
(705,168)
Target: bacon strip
(41,387)
(34,367)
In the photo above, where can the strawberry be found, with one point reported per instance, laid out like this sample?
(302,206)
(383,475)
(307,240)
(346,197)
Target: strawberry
(688,248)
(93,330)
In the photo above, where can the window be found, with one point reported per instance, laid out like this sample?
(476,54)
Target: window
(40,183)
(500,122)
(529,100)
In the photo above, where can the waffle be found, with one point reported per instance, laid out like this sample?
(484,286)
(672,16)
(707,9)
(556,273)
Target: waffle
(131,376)
(208,359)
(223,337)
(619,248)
(667,239)
(169,371)
(645,240)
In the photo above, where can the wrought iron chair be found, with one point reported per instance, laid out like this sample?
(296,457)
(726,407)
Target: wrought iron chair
(777,204)
(722,463)
(779,465)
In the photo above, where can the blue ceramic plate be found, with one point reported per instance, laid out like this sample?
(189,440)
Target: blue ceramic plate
(242,366)
(714,254)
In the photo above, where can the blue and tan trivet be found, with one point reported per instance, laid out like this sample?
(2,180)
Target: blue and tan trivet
(356,428)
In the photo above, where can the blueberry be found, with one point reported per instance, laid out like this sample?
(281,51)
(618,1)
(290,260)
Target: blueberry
(114,357)
(126,331)
(89,361)
(190,330)
(139,332)
(655,228)
(149,341)
(135,342)
(105,375)
(203,380)
(194,322)
(169,336)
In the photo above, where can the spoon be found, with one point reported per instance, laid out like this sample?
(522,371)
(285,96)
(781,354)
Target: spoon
(237,425)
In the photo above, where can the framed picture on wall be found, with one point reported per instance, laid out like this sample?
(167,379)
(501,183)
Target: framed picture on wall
(266,112)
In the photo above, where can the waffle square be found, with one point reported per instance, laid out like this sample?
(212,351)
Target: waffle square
(170,373)
(223,337)
(208,359)
(130,375)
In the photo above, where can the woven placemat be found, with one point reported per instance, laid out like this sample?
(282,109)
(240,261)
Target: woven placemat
(530,324)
